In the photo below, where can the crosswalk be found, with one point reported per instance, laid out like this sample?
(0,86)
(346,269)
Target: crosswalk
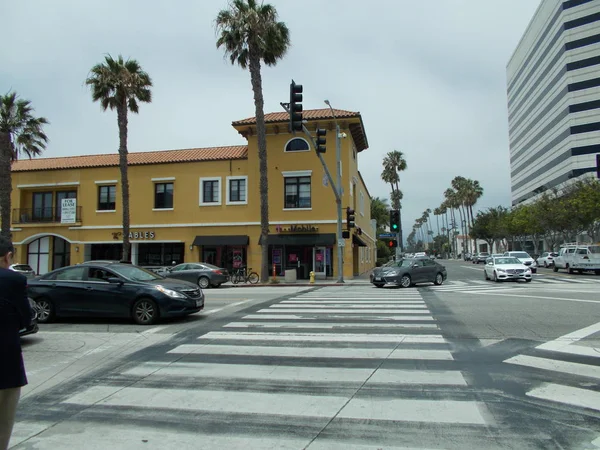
(483,285)
(332,368)
(572,368)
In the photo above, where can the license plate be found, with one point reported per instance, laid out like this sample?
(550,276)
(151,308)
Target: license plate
(198,302)
(377,278)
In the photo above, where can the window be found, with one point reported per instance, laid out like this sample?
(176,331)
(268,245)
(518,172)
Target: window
(106,198)
(60,195)
(361,203)
(160,254)
(70,274)
(210,191)
(42,206)
(163,196)
(100,275)
(297,145)
(297,192)
(237,190)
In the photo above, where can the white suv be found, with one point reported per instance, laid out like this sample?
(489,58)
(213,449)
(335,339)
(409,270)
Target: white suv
(525,258)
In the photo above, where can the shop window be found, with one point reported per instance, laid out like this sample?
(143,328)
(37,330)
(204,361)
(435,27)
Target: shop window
(163,196)
(160,254)
(60,195)
(38,255)
(42,206)
(210,191)
(237,190)
(107,196)
(297,145)
(61,256)
(297,192)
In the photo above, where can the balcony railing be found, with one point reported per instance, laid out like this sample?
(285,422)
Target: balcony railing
(41,215)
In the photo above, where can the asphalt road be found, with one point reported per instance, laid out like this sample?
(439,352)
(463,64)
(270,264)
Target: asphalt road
(468,365)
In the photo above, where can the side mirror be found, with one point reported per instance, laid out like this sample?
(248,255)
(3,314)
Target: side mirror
(115,280)
(415,266)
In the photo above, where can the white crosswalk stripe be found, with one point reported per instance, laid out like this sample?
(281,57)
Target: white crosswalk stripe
(553,362)
(326,360)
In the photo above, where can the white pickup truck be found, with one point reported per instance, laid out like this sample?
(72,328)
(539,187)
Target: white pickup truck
(576,257)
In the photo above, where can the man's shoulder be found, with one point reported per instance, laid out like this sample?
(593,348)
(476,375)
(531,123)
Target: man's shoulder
(8,274)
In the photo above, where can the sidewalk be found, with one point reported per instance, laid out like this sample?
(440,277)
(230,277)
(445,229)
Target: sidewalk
(358,280)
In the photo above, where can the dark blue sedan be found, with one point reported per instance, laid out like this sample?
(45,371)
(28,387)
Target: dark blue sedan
(112,290)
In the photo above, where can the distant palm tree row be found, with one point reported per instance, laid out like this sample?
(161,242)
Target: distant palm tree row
(249,33)
(458,203)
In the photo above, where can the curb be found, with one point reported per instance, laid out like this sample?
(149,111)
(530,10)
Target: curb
(294,284)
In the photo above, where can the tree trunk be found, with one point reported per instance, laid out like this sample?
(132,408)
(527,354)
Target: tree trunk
(256,79)
(473,223)
(5,183)
(122,121)
(437,219)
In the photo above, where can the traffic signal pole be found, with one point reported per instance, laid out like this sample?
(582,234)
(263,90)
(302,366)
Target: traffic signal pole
(337,188)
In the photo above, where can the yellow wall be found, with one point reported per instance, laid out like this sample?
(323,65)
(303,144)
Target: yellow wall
(188,218)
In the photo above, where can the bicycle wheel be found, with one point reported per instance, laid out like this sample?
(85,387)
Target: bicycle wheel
(253,278)
(235,278)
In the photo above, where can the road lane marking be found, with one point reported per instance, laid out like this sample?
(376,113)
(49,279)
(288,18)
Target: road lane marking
(562,299)
(323,337)
(329,325)
(334,316)
(571,368)
(567,395)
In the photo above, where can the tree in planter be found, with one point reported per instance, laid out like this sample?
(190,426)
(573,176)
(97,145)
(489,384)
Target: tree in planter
(251,34)
(121,85)
(20,133)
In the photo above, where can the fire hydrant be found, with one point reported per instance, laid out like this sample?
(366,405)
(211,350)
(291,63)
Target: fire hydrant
(312,277)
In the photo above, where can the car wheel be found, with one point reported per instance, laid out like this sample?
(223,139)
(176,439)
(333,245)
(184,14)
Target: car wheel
(217,285)
(145,312)
(545,264)
(203,282)
(555,269)
(569,270)
(45,310)
(597,272)
(439,279)
(533,270)
(528,280)
(379,285)
(405,281)
(495,277)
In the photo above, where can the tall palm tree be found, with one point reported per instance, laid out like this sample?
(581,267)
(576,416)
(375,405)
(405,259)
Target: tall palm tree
(394,163)
(437,212)
(251,34)
(120,85)
(20,132)
(473,192)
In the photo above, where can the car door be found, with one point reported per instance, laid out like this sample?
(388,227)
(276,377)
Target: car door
(418,272)
(66,290)
(489,267)
(429,270)
(177,272)
(104,298)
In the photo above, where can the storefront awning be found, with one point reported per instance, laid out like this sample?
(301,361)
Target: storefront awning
(301,239)
(221,240)
(358,241)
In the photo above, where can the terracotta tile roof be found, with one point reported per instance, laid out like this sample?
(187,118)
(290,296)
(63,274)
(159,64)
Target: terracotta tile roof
(309,114)
(135,159)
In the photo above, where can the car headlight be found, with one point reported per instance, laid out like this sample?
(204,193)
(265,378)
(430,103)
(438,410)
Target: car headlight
(527,270)
(169,292)
(501,270)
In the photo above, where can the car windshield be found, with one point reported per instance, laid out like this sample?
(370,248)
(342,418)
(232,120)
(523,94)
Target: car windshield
(506,260)
(406,263)
(484,254)
(520,255)
(134,273)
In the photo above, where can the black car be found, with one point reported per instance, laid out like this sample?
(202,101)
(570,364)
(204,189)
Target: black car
(412,271)
(113,290)
(33,327)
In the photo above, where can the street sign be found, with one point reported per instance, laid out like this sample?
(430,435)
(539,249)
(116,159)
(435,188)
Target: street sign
(386,235)
(341,243)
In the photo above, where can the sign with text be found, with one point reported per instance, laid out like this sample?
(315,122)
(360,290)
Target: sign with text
(68,210)
(149,235)
(297,229)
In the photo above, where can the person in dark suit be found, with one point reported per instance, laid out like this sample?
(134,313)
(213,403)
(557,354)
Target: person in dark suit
(15,314)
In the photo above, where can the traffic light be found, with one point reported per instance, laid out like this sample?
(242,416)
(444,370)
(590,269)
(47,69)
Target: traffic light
(391,243)
(395,221)
(321,140)
(350,218)
(295,107)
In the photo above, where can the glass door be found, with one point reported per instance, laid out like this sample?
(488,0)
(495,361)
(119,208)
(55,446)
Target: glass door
(319,259)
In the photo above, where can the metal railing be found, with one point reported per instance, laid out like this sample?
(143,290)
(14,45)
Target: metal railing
(41,215)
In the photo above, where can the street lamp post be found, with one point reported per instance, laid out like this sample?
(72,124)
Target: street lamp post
(338,162)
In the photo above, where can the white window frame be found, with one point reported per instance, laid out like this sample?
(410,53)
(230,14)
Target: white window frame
(293,174)
(201,190)
(228,200)
(361,203)
(296,151)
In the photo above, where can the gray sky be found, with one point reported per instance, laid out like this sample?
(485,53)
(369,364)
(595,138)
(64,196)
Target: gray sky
(427,76)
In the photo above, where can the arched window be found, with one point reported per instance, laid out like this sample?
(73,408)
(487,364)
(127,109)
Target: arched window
(297,145)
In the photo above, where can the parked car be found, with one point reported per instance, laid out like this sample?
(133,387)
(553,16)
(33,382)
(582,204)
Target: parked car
(467,257)
(412,271)
(480,257)
(420,255)
(203,274)
(23,269)
(506,268)
(546,259)
(112,290)
(525,259)
(33,327)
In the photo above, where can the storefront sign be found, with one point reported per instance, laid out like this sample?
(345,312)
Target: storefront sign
(297,229)
(292,257)
(68,210)
(277,256)
(237,259)
(147,235)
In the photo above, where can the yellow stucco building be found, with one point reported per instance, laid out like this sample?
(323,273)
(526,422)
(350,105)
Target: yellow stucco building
(200,204)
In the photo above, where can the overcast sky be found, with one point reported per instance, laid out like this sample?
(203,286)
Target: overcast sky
(428,77)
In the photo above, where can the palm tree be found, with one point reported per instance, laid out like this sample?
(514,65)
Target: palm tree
(120,85)
(380,212)
(20,132)
(251,34)
(473,192)
(437,212)
(393,164)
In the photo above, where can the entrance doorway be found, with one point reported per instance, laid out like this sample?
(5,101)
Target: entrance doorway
(320,262)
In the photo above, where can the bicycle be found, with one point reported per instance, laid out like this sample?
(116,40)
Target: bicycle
(243,275)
